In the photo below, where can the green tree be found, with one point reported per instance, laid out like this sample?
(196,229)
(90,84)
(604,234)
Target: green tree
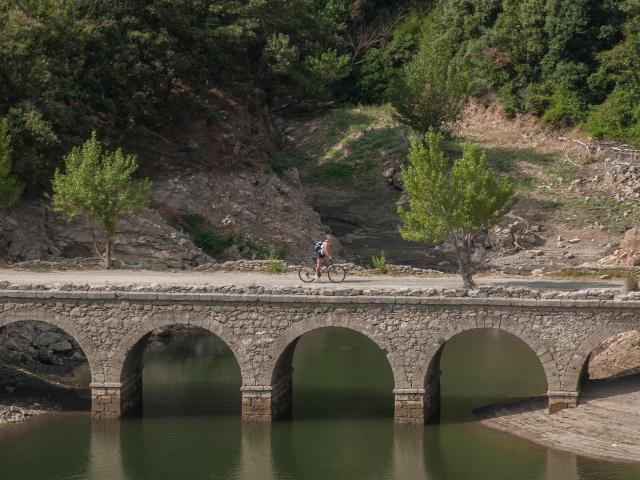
(451,201)
(10,188)
(97,185)
(432,89)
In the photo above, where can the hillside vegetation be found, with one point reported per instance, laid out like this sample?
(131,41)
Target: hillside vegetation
(129,69)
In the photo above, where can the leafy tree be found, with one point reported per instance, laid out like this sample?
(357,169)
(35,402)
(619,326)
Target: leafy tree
(432,89)
(97,185)
(453,202)
(10,188)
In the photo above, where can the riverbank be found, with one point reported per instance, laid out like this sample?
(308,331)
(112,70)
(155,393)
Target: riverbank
(605,426)
(25,394)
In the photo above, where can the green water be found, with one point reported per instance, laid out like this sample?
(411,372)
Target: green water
(342,426)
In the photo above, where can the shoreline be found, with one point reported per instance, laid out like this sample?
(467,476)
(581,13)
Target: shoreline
(604,426)
(24,395)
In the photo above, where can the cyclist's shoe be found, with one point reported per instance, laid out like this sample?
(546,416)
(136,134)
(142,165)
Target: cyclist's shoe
(318,275)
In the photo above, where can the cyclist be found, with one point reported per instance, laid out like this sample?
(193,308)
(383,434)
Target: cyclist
(324,253)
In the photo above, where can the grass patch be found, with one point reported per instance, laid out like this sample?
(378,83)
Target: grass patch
(340,173)
(606,211)
(521,165)
(355,141)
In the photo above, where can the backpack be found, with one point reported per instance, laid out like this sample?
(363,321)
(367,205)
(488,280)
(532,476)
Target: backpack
(318,246)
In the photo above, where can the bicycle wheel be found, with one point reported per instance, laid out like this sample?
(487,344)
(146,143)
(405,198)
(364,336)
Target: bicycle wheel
(307,274)
(336,273)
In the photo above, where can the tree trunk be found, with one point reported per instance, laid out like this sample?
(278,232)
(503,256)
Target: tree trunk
(463,253)
(107,253)
(95,240)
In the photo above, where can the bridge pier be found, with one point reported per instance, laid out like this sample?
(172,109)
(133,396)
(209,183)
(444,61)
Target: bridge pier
(560,400)
(105,400)
(256,404)
(262,404)
(117,399)
(409,405)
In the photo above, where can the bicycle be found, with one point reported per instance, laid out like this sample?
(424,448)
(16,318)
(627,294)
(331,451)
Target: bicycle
(336,273)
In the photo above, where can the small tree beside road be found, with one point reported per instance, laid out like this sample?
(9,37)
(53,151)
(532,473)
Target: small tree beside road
(453,201)
(97,185)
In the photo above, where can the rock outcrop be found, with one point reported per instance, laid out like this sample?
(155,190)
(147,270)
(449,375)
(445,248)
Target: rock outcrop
(214,167)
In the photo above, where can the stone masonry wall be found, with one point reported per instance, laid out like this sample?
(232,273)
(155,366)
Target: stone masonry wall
(410,326)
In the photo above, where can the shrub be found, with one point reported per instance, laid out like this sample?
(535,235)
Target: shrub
(274,264)
(432,89)
(618,117)
(566,109)
(537,99)
(211,243)
(631,283)
(380,262)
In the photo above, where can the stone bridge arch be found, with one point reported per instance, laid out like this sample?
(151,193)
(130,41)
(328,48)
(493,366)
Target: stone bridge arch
(579,363)
(123,387)
(48,316)
(272,396)
(422,401)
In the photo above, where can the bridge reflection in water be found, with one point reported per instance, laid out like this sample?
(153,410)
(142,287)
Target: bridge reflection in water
(341,425)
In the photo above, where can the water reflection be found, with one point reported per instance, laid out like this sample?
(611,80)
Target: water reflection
(561,465)
(255,455)
(408,453)
(316,444)
(105,460)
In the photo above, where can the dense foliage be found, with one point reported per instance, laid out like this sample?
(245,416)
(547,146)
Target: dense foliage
(452,201)
(68,67)
(128,68)
(569,61)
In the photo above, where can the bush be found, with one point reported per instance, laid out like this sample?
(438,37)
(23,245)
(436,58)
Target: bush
(212,243)
(274,265)
(432,89)
(618,117)
(380,262)
(566,109)
(631,283)
(537,99)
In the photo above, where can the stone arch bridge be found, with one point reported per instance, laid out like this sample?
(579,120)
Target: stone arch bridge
(262,328)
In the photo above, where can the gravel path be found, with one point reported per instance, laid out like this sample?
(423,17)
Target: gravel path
(119,277)
(605,425)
